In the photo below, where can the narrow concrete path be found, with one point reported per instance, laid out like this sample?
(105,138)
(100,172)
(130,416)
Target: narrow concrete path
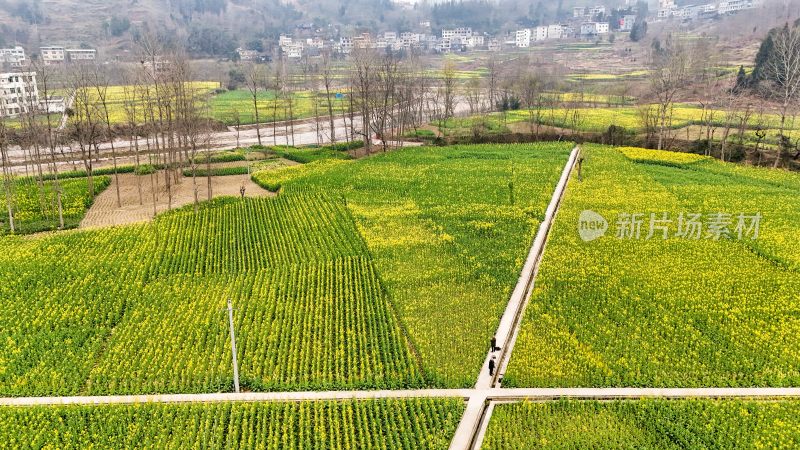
(476,416)
(241,397)
(482,397)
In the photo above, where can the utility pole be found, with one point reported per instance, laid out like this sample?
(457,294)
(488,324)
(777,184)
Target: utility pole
(233,348)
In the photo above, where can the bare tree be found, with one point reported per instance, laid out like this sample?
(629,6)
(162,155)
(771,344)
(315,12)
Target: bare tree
(8,177)
(101,85)
(669,68)
(783,70)
(327,84)
(46,80)
(254,80)
(362,88)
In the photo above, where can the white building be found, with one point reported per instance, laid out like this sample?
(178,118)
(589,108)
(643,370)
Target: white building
(627,22)
(53,105)
(14,57)
(539,33)
(345,45)
(462,33)
(246,55)
(284,41)
(293,51)
(476,41)
(52,55)
(594,28)
(315,42)
(81,54)
(523,38)
(733,6)
(555,32)
(18,92)
(596,11)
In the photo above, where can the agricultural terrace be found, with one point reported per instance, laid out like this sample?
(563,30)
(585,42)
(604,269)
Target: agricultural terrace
(37,209)
(685,311)
(378,424)
(448,229)
(271,107)
(654,424)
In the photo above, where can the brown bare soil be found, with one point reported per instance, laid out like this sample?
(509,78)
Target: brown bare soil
(105,212)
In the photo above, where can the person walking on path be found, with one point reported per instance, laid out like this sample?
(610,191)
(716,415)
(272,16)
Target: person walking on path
(491,367)
(242,190)
(493,344)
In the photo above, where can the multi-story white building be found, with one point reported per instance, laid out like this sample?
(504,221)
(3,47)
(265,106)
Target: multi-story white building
(463,33)
(14,57)
(732,6)
(555,32)
(345,45)
(594,28)
(596,11)
(476,41)
(18,93)
(627,22)
(53,55)
(523,38)
(294,50)
(284,41)
(81,54)
(539,33)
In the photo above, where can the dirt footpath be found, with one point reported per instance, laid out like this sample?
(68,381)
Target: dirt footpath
(104,212)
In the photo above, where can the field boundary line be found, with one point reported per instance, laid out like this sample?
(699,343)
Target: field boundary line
(487,396)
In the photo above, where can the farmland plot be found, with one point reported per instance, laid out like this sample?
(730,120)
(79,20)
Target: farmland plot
(667,310)
(373,424)
(139,309)
(449,229)
(652,424)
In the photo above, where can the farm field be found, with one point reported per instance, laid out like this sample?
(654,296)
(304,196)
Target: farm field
(651,424)
(124,100)
(686,311)
(270,107)
(36,210)
(599,119)
(373,424)
(140,308)
(448,228)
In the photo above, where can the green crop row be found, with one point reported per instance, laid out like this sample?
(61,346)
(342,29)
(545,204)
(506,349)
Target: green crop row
(373,424)
(651,424)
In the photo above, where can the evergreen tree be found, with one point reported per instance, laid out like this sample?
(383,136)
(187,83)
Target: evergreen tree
(742,81)
(639,30)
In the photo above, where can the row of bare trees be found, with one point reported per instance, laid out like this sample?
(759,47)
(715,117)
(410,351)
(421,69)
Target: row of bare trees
(158,110)
(691,70)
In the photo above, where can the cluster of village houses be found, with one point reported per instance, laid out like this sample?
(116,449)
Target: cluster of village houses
(586,23)
(18,87)
(19,92)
